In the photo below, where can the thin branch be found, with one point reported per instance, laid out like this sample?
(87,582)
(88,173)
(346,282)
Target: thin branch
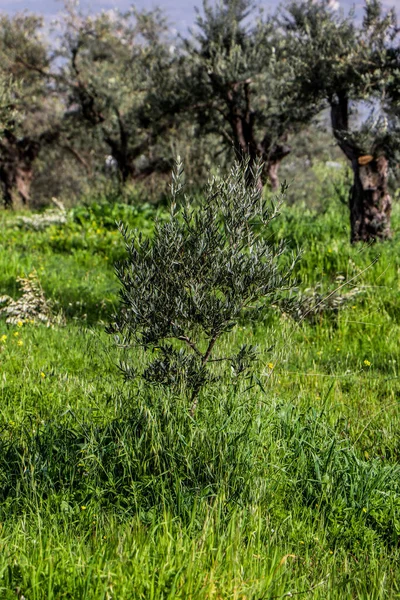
(122,130)
(209,349)
(222,359)
(247,97)
(205,359)
(227,137)
(183,338)
(78,157)
(40,70)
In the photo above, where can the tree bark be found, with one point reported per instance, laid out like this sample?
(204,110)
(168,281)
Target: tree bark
(273,163)
(273,178)
(17,157)
(23,182)
(370,202)
(16,183)
(242,121)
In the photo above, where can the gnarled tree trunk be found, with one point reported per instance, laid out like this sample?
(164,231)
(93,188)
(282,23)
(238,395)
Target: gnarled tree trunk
(242,121)
(369,200)
(16,169)
(17,160)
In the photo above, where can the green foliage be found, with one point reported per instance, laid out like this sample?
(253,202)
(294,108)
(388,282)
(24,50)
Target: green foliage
(8,102)
(237,74)
(202,271)
(123,97)
(25,60)
(288,483)
(341,63)
(110,62)
(323,43)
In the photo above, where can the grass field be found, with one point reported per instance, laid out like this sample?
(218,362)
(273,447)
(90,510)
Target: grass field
(288,485)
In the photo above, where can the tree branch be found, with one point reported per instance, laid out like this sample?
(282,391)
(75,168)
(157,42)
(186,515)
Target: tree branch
(183,338)
(209,349)
(78,157)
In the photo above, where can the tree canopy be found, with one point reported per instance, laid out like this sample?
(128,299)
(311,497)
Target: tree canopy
(118,92)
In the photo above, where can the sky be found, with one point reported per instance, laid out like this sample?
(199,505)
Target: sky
(180,13)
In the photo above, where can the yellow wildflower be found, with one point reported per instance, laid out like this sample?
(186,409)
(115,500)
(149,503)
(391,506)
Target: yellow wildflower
(20,323)
(42,375)
(16,333)
(3,338)
(367,363)
(270,365)
(20,343)
(83,507)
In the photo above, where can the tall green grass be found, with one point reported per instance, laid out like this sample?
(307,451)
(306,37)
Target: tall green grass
(288,483)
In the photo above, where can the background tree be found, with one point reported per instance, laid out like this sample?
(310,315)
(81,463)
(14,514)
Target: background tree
(24,61)
(343,64)
(239,84)
(109,63)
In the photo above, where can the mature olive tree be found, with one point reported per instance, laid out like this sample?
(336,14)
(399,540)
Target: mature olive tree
(35,110)
(344,64)
(110,60)
(239,84)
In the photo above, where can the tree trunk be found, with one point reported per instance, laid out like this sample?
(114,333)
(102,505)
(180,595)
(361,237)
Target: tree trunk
(16,180)
(272,174)
(7,188)
(369,200)
(276,156)
(16,169)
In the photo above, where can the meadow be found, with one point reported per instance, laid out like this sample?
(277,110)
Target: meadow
(287,484)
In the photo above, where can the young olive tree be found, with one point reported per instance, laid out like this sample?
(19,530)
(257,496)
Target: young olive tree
(188,286)
(239,84)
(342,64)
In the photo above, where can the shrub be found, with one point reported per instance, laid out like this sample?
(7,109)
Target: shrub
(205,267)
(31,307)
